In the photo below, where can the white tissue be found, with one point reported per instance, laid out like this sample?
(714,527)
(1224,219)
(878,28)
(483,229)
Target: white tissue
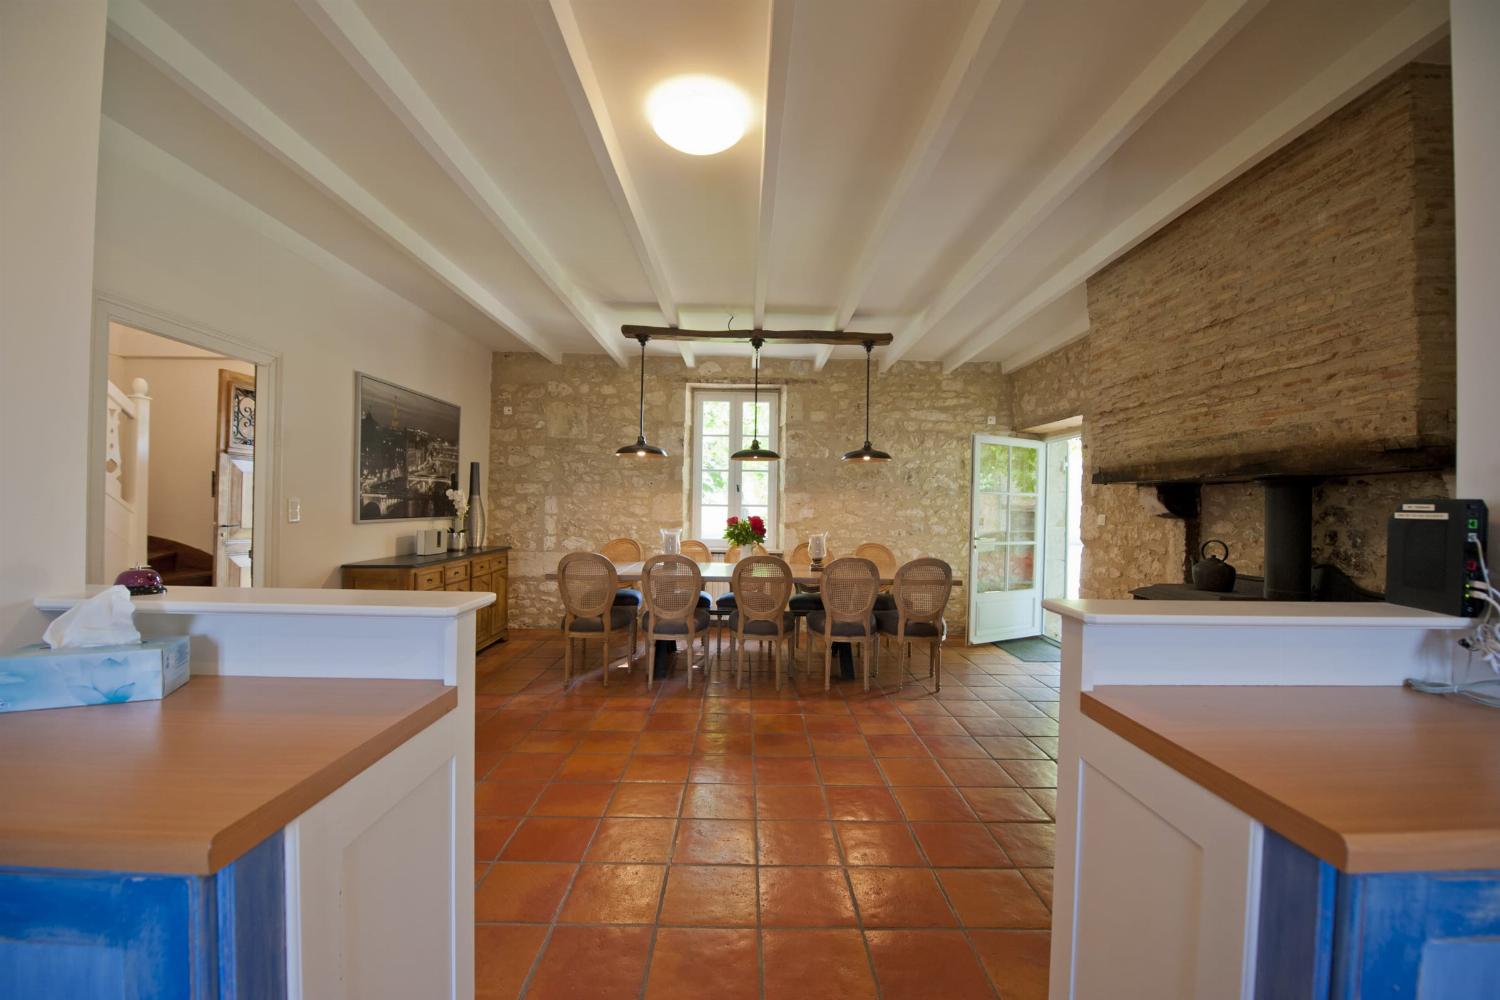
(102,620)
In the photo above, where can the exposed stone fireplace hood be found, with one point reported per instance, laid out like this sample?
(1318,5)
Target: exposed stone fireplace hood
(1303,462)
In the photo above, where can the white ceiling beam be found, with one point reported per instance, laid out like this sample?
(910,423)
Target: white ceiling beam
(983,36)
(564,39)
(778,62)
(1394,43)
(685,348)
(1210,27)
(139,27)
(367,51)
(821,358)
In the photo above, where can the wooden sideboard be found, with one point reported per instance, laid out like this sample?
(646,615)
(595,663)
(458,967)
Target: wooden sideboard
(485,569)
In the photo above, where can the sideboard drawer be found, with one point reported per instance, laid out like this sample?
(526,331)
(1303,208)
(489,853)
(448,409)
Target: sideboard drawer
(457,585)
(454,572)
(430,579)
(484,565)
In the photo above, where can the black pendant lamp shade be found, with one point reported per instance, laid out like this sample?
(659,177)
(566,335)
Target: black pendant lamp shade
(868,453)
(641,449)
(755,453)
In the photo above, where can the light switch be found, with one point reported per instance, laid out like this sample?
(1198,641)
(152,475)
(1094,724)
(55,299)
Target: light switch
(990,421)
(506,410)
(293,509)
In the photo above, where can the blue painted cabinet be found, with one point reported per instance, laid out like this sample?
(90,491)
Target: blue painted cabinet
(1328,935)
(107,935)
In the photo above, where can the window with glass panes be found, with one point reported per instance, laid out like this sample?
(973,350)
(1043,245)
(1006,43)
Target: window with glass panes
(723,423)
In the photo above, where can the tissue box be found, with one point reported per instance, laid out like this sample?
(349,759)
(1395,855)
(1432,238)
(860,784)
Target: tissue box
(35,677)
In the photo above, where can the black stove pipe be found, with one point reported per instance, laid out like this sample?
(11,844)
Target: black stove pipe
(1288,554)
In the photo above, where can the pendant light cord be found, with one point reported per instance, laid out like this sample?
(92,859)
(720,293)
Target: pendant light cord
(869,349)
(641,424)
(755,405)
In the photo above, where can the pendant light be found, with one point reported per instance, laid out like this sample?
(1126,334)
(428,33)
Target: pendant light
(868,453)
(641,449)
(755,453)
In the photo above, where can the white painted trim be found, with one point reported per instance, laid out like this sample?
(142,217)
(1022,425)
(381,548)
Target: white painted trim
(367,51)
(564,38)
(133,23)
(783,14)
(985,33)
(112,307)
(319,602)
(1395,42)
(735,394)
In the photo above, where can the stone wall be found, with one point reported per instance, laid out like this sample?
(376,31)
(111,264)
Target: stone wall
(1052,388)
(1307,307)
(556,487)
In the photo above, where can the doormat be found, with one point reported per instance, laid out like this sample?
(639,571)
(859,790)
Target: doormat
(1032,650)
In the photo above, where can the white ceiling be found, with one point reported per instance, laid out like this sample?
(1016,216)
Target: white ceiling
(947,170)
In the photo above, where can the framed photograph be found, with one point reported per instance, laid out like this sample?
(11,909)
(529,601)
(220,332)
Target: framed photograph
(236,413)
(406,452)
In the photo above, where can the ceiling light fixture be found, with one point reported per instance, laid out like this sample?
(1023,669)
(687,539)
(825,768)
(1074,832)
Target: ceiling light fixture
(641,449)
(698,115)
(868,453)
(755,453)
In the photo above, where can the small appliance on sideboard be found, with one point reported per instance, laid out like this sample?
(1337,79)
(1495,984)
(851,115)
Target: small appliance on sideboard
(431,541)
(1436,550)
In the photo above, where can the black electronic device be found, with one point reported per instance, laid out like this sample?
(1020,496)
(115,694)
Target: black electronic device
(1435,552)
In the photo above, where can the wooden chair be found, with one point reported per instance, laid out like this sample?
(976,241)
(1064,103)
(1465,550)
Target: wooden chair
(622,550)
(848,591)
(697,551)
(672,586)
(761,585)
(619,551)
(886,560)
(921,593)
(587,582)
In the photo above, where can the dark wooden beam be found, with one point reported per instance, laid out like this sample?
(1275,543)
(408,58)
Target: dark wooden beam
(1318,463)
(745,336)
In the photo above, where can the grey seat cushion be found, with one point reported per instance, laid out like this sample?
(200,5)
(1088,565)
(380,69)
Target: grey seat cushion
(803,603)
(759,626)
(887,621)
(628,597)
(700,621)
(619,617)
(816,622)
(705,599)
(885,601)
(725,603)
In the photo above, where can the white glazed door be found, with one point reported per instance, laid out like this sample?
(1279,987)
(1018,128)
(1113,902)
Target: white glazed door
(1005,562)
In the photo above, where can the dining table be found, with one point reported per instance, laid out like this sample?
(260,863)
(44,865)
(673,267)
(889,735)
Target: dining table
(723,572)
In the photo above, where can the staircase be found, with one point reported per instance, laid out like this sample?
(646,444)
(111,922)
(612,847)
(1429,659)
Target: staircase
(180,565)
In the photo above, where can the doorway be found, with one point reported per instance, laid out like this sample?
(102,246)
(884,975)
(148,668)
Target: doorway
(1006,545)
(1062,569)
(176,448)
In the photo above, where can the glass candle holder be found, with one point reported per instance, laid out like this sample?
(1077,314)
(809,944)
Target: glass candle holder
(671,541)
(817,546)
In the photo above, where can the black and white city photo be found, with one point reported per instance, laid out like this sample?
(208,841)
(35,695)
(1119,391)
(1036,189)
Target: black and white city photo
(408,452)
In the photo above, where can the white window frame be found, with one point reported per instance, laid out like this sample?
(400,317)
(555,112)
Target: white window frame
(770,437)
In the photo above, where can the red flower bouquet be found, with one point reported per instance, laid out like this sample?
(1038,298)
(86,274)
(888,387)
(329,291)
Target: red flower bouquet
(745,531)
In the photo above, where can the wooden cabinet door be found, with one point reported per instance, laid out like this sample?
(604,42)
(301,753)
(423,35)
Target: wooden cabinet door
(485,620)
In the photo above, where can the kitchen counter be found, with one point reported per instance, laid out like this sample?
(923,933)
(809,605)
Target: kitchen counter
(190,783)
(1282,614)
(1368,779)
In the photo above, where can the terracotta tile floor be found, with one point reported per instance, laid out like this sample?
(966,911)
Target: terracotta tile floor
(802,844)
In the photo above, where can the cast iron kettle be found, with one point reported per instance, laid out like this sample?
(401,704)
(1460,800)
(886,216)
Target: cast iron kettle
(1211,572)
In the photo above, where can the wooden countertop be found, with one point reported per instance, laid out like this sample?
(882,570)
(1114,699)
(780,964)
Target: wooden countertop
(413,561)
(1282,614)
(1370,779)
(190,783)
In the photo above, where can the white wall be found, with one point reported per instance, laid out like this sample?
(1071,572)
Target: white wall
(175,243)
(1476,167)
(184,440)
(51,67)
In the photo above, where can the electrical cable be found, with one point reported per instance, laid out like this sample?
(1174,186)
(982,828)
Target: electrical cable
(1483,640)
